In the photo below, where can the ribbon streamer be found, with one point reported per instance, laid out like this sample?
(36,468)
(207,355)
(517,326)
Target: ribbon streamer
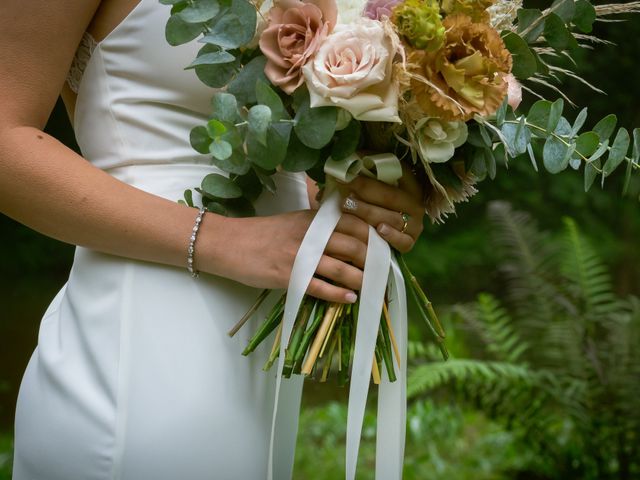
(380,270)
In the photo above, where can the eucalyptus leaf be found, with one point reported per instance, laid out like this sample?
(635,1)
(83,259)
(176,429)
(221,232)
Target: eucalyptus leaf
(216,76)
(170,2)
(635,156)
(259,119)
(243,86)
(220,149)
(267,181)
(178,32)
(225,107)
(234,27)
(265,95)
(237,164)
(585,16)
(565,9)
(555,114)
(530,20)
(200,139)
(275,151)
(315,126)
(587,144)
(539,114)
(188,197)
(250,184)
(346,140)
(213,58)
(518,136)
(532,157)
(524,62)
(217,186)
(605,127)
(239,208)
(580,121)
(618,151)
(602,149)
(556,155)
(501,113)
(557,34)
(590,174)
(479,165)
(200,11)
(215,128)
(300,158)
(491,163)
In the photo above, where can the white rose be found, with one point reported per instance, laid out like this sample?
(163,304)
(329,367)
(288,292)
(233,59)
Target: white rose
(349,11)
(353,69)
(438,140)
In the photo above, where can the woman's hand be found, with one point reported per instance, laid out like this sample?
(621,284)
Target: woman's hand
(260,252)
(382,206)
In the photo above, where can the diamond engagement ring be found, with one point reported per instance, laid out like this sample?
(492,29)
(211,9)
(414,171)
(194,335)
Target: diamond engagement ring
(405,218)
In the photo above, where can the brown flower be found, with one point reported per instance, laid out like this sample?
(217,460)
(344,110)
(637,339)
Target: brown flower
(295,31)
(441,196)
(466,76)
(476,9)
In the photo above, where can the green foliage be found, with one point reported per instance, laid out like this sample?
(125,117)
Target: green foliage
(443,443)
(571,389)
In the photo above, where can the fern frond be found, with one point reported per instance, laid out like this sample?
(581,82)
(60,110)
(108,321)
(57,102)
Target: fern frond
(588,277)
(430,376)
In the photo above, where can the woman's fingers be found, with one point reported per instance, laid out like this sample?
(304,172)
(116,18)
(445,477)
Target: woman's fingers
(340,272)
(325,291)
(375,215)
(354,227)
(398,240)
(393,198)
(347,248)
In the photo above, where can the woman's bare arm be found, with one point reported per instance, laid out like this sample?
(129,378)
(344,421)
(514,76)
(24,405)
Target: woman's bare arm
(51,189)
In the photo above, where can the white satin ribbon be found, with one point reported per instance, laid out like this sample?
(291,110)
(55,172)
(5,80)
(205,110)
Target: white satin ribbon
(380,269)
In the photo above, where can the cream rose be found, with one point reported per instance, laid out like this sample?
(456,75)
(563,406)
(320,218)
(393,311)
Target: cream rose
(438,140)
(353,69)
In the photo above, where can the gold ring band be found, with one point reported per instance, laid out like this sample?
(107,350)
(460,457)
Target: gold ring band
(405,218)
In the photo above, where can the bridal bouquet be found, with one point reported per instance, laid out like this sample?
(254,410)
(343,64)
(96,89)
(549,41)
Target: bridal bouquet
(340,88)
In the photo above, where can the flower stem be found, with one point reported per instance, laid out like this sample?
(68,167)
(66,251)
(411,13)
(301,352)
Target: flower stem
(270,323)
(261,298)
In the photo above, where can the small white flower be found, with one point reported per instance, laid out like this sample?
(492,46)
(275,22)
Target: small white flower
(438,140)
(503,13)
(350,11)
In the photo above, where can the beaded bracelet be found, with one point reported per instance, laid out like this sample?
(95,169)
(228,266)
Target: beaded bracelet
(192,244)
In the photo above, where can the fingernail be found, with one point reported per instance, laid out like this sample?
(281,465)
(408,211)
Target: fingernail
(384,229)
(350,204)
(351,297)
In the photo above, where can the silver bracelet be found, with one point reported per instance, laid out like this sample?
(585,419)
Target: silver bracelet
(192,244)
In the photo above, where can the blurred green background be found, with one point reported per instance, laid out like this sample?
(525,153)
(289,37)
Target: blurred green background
(540,312)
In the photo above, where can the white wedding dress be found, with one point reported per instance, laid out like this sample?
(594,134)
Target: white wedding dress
(134,376)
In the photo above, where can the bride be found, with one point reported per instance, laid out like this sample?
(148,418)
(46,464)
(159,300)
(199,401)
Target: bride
(134,376)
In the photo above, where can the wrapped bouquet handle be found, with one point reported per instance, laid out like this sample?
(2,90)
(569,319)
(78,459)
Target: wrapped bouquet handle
(381,270)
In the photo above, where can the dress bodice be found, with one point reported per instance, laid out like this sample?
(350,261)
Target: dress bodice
(136,104)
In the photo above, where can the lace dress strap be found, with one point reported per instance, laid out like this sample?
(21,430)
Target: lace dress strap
(80,60)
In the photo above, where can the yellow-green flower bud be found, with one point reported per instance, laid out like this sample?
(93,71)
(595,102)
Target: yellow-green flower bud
(419,21)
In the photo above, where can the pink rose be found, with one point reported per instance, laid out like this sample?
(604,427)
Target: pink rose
(353,69)
(378,9)
(514,91)
(295,31)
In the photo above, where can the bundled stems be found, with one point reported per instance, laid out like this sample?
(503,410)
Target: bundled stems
(324,334)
